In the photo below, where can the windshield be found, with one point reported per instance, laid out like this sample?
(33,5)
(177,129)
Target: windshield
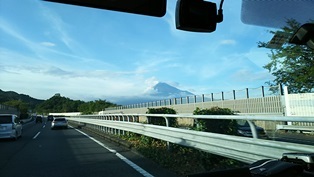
(101,65)
(60,119)
(275,13)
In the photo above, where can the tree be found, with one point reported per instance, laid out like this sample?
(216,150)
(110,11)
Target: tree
(292,65)
(94,106)
(160,120)
(228,127)
(20,105)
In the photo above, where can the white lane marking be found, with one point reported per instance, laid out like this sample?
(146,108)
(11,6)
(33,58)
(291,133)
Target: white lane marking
(36,135)
(133,165)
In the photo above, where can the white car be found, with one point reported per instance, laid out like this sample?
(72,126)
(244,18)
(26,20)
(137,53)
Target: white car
(10,126)
(59,122)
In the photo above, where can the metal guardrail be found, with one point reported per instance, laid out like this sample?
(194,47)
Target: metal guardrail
(295,127)
(244,149)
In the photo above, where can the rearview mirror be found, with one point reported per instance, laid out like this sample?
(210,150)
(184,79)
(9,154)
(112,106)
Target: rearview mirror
(155,8)
(304,35)
(197,15)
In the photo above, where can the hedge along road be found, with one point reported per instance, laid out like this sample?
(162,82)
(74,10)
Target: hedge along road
(42,152)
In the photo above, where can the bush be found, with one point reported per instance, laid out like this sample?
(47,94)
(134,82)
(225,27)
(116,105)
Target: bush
(161,120)
(216,125)
(180,159)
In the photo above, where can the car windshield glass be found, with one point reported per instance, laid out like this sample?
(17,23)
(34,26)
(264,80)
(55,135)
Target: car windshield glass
(60,120)
(275,13)
(108,67)
(243,123)
(5,119)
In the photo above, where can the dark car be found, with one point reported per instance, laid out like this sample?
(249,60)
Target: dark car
(39,118)
(50,117)
(244,129)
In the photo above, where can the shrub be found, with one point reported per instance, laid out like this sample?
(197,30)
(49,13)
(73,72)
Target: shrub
(161,120)
(215,125)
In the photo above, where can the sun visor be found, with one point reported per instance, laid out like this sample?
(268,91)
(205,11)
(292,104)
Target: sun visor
(155,8)
(275,13)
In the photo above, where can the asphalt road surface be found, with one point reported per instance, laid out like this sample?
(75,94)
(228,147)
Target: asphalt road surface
(42,152)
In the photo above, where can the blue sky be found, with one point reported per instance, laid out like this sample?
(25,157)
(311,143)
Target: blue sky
(87,54)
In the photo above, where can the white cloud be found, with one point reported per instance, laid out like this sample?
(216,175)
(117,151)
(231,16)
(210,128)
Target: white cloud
(228,42)
(42,79)
(150,83)
(246,75)
(48,44)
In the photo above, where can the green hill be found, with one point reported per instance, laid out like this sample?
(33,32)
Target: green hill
(7,96)
(57,103)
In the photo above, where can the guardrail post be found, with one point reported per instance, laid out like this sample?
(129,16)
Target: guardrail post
(167,121)
(253,129)
(167,125)
(121,118)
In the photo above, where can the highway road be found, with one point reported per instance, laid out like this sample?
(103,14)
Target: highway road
(42,152)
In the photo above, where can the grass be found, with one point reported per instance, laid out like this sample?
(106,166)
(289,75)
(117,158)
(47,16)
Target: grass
(179,159)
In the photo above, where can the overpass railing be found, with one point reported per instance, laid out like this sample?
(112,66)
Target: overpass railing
(243,149)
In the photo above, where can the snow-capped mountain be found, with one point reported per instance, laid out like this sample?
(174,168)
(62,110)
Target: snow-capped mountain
(165,90)
(158,92)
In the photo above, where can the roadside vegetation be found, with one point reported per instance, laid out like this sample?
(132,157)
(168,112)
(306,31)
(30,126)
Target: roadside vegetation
(180,159)
(27,105)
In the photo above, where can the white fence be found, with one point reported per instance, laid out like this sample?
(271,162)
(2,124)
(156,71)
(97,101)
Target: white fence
(301,104)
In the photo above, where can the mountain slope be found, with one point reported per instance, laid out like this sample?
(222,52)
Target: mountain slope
(160,91)
(165,90)
(10,95)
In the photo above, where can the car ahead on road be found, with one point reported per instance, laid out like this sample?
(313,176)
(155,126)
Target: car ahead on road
(10,126)
(39,118)
(244,129)
(50,118)
(59,122)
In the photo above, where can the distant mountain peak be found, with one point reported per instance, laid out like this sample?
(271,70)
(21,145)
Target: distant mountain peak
(162,89)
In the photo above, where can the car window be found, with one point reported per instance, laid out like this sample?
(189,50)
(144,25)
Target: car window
(5,119)
(242,123)
(60,119)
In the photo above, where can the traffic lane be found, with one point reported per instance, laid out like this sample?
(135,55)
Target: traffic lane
(293,137)
(153,168)
(65,153)
(10,147)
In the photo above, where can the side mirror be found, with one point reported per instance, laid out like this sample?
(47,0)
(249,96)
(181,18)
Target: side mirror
(304,36)
(197,15)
